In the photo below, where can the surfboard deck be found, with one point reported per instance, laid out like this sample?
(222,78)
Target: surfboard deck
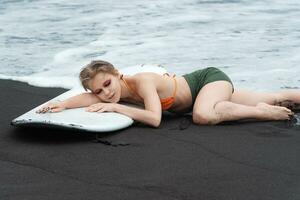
(78,118)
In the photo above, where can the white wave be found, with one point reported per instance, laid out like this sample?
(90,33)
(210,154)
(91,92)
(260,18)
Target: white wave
(255,42)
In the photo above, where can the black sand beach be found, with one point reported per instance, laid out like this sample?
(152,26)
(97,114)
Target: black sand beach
(179,160)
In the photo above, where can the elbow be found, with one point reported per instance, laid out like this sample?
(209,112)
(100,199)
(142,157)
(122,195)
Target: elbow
(156,122)
(156,125)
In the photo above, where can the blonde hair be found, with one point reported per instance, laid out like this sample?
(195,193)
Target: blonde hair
(89,71)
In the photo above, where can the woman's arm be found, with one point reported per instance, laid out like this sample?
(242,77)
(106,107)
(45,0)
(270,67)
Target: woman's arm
(80,100)
(152,113)
(145,116)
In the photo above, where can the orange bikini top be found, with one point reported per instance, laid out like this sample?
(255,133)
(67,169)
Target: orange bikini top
(166,103)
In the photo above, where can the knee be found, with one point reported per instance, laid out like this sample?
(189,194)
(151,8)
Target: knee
(279,98)
(204,119)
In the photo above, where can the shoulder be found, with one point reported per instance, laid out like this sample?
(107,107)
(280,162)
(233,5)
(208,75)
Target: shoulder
(146,86)
(147,75)
(147,82)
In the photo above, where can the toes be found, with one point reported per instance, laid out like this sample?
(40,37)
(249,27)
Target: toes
(291,112)
(287,110)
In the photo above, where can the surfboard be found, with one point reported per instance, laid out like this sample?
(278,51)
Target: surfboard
(78,118)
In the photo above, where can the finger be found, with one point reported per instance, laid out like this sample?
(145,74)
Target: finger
(101,110)
(38,111)
(95,109)
(43,110)
(46,107)
(89,109)
(53,106)
(55,110)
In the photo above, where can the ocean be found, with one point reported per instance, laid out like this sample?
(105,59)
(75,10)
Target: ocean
(257,43)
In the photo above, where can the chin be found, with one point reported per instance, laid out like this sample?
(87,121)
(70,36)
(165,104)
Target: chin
(117,99)
(114,100)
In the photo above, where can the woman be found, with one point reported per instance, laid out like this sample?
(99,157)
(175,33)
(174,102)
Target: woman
(208,93)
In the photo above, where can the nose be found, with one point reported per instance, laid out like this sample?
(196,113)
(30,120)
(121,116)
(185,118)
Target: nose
(106,92)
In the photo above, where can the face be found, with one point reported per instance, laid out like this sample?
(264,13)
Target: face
(106,86)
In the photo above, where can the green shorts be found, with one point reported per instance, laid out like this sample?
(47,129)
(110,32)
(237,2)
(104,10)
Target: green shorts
(197,79)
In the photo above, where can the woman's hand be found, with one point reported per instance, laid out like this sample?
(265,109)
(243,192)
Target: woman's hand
(52,107)
(102,107)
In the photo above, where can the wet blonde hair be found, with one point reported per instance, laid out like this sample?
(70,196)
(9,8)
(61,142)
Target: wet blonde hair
(89,71)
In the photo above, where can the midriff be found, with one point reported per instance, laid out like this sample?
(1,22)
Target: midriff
(183,99)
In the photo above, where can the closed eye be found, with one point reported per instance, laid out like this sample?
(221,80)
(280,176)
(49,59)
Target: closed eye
(106,83)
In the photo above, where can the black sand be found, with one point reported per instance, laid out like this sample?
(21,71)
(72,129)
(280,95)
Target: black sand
(179,160)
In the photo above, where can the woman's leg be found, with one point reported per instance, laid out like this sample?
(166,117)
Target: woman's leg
(286,98)
(213,105)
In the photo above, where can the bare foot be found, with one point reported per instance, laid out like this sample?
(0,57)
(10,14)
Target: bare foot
(270,112)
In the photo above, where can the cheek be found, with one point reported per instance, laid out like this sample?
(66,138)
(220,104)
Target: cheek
(114,87)
(100,96)
(118,89)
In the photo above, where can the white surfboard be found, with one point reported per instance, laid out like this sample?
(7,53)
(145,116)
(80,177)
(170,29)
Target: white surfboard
(78,118)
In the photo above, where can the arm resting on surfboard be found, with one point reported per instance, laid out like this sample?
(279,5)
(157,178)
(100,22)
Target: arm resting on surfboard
(80,100)
(145,116)
(152,113)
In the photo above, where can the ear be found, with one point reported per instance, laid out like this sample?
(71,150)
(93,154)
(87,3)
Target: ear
(120,75)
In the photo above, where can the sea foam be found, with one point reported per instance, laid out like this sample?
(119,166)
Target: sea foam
(256,43)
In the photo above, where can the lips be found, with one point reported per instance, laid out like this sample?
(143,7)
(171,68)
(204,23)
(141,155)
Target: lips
(112,96)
